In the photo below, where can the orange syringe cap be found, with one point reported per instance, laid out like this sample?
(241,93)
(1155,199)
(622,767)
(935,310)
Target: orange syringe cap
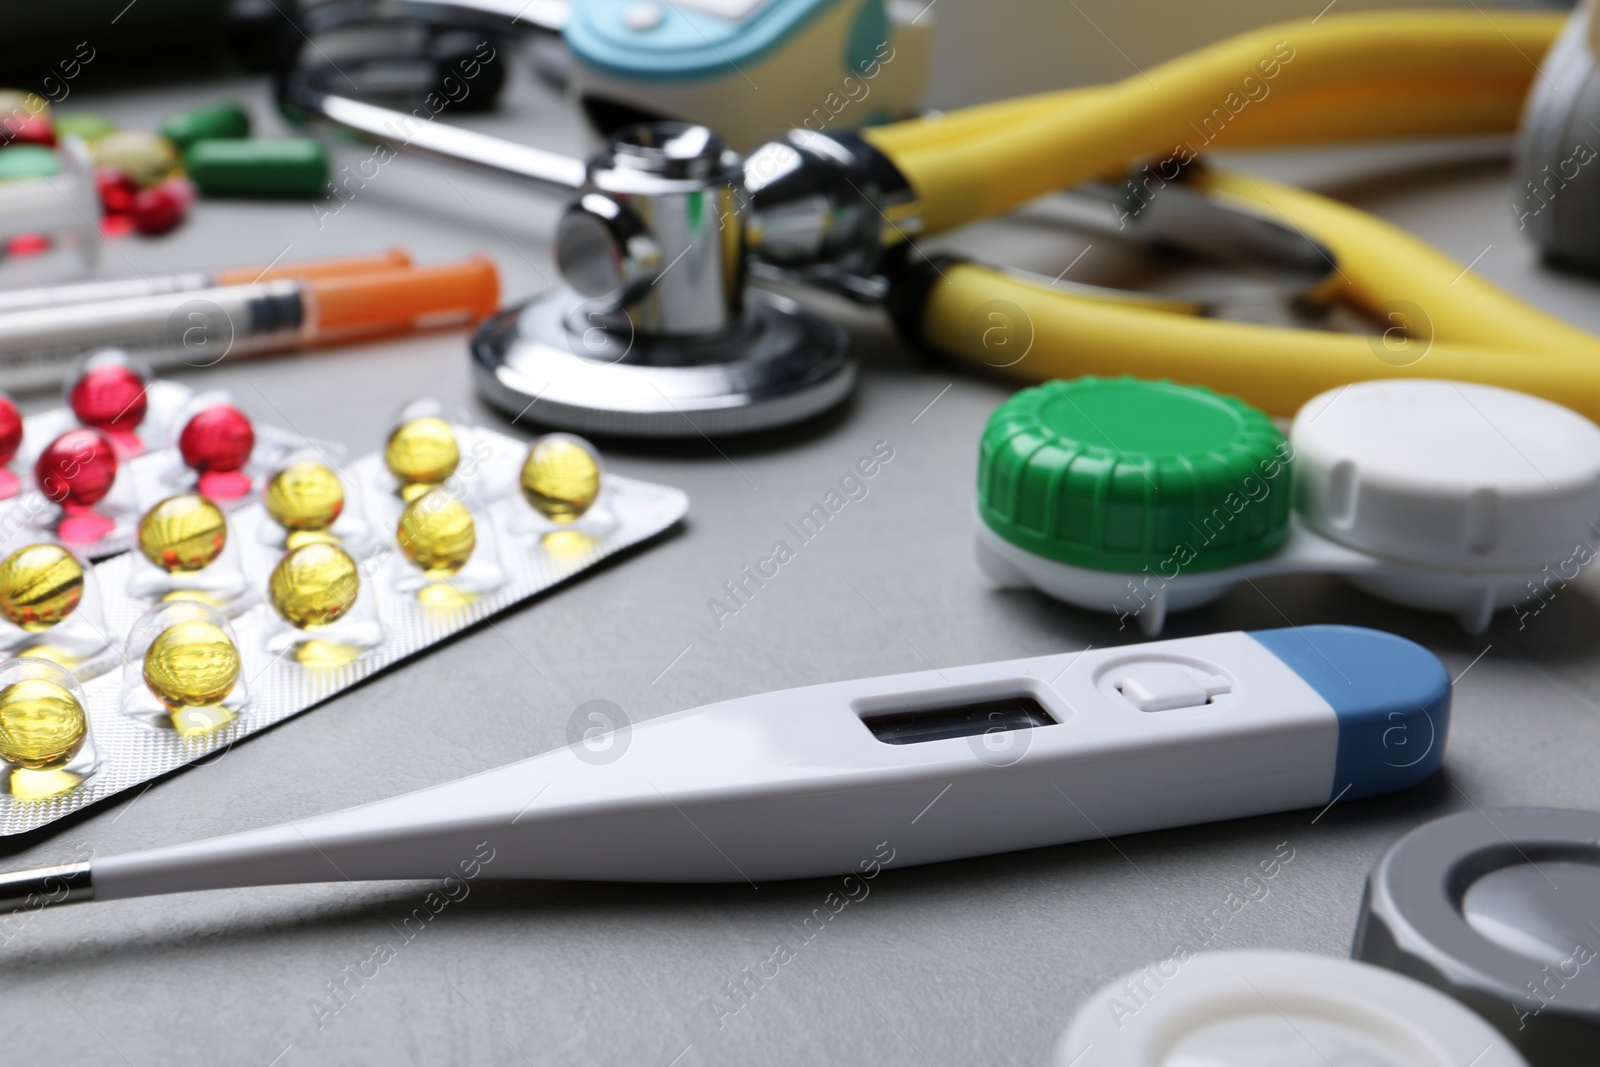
(390,259)
(356,306)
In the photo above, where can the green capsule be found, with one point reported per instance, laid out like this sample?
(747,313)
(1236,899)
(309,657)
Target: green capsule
(84,124)
(285,167)
(27,161)
(213,122)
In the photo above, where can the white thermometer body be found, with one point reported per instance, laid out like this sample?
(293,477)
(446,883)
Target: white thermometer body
(943,764)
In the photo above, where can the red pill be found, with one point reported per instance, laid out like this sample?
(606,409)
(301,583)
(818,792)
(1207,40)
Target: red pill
(216,443)
(10,430)
(10,441)
(219,438)
(78,468)
(160,207)
(110,397)
(116,190)
(31,129)
(27,244)
(183,189)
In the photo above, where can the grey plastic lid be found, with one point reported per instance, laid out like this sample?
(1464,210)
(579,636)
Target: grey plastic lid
(1499,908)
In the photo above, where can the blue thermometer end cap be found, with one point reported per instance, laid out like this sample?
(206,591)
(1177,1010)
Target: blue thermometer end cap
(1391,696)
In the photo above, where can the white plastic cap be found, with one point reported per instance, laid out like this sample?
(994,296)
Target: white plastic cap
(65,207)
(1276,1009)
(1448,474)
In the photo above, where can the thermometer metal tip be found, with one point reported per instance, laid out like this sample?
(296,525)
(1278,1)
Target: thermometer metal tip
(907,769)
(67,883)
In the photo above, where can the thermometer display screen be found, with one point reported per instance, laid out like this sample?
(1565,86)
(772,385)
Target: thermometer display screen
(957,720)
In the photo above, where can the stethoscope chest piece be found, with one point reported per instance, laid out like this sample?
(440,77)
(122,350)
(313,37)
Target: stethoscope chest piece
(655,333)
(561,361)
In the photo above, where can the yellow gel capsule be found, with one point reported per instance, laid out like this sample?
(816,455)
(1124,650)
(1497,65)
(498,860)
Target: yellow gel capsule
(191,664)
(42,725)
(314,585)
(437,534)
(183,533)
(305,496)
(39,586)
(422,451)
(143,156)
(19,103)
(560,478)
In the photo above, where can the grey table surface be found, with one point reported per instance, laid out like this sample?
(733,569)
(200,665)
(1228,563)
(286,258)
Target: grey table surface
(977,961)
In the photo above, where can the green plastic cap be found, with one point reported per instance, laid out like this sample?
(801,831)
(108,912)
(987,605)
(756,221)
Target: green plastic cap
(28,161)
(226,121)
(287,167)
(1118,474)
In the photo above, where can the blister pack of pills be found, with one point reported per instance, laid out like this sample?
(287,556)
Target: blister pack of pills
(71,473)
(230,615)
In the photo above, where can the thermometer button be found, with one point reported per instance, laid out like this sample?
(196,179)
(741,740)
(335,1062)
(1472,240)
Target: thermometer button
(1167,687)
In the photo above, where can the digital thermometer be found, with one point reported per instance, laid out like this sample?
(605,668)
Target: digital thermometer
(937,765)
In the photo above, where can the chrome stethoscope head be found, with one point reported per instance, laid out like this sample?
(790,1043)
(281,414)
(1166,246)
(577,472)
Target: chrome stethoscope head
(655,331)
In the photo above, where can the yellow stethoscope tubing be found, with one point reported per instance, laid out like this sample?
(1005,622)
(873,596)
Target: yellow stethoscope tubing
(1347,76)
(1277,370)
(1379,265)
(1468,104)
(1355,76)
(1478,332)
